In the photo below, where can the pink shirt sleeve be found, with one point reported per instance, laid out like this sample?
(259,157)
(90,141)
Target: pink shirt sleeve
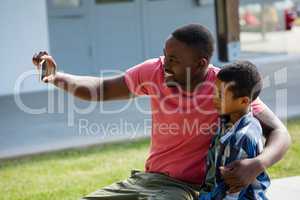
(257,106)
(140,77)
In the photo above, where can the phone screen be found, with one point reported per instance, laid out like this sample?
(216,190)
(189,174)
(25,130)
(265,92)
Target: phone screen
(43,68)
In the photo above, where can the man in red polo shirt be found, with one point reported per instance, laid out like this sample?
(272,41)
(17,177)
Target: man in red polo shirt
(181,85)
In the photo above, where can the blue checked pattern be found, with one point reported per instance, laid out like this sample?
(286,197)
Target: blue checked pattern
(243,140)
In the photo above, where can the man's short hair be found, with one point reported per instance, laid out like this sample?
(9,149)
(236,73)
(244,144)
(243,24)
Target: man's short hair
(245,78)
(197,37)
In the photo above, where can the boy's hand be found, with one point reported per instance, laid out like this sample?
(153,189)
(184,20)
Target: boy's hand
(241,173)
(51,64)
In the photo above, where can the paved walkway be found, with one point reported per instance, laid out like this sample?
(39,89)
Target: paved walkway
(275,42)
(286,188)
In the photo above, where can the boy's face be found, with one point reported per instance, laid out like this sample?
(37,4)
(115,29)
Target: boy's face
(224,100)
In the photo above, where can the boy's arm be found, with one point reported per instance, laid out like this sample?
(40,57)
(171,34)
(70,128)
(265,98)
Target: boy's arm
(211,172)
(241,173)
(209,183)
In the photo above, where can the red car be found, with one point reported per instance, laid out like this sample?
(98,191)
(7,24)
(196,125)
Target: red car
(290,16)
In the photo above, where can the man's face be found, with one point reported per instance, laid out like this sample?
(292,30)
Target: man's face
(182,63)
(224,100)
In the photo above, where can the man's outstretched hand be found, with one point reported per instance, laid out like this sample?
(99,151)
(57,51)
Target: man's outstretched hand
(241,173)
(51,64)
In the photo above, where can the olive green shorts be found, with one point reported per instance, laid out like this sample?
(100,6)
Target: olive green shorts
(147,186)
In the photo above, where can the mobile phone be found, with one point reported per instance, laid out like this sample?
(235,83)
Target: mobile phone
(43,69)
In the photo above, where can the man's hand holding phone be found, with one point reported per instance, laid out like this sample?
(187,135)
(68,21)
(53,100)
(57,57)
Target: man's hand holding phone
(46,65)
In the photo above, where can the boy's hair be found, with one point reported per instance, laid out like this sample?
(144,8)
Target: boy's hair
(245,77)
(197,37)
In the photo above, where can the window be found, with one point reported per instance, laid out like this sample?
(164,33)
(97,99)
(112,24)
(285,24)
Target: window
(65,3)
(112,1)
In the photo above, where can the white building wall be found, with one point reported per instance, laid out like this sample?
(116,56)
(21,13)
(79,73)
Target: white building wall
(23,31)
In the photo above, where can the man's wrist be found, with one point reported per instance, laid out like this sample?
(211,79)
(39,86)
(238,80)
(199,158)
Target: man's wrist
(59,78)
(260,164)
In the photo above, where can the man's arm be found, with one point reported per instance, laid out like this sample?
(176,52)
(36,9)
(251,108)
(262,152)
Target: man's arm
(277,136)
(93,88)
(85,87)
(240,174)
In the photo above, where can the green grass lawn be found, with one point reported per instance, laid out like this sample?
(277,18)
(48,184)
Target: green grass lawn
(290,164)
(71,174)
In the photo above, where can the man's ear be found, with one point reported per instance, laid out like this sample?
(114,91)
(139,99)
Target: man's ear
(203,62)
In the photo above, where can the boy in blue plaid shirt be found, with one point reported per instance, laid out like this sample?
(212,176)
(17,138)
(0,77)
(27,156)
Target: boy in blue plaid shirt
(239,135)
